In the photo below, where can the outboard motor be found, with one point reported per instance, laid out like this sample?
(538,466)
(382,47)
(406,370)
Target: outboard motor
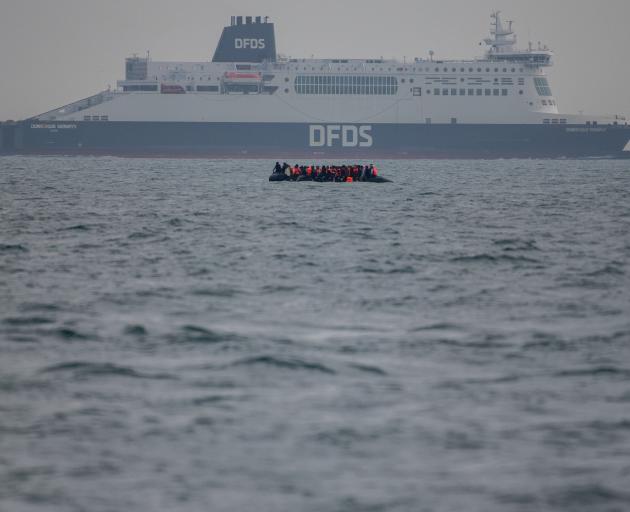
(251,40)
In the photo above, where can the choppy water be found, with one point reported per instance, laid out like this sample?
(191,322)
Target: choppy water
(184,335)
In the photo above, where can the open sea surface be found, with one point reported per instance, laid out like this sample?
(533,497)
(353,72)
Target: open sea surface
(183,335)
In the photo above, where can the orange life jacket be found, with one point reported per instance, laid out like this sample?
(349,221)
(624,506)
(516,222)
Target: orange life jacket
(349,179)
(375,171)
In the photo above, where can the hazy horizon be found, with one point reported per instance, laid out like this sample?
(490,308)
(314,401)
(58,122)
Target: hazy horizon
(53,53)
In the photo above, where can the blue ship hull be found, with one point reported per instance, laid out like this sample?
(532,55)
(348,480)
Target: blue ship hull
(284,140)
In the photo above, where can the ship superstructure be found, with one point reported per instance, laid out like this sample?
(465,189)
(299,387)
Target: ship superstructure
(249,101)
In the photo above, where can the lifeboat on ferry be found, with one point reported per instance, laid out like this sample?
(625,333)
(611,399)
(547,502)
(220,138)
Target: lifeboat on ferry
(241,77)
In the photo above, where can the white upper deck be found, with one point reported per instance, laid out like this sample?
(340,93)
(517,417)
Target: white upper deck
(506,85)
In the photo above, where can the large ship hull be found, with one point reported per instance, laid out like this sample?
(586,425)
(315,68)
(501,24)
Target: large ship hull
(291,140)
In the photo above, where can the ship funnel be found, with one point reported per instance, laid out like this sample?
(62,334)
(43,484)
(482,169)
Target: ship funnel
(252,41)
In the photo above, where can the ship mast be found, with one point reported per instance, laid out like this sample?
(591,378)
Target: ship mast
(502,45)
(503,39)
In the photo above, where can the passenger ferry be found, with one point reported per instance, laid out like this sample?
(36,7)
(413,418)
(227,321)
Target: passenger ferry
(250,102)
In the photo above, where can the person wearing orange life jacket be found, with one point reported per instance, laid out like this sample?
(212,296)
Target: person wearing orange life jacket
(374,171)
(309,171)
(296,172)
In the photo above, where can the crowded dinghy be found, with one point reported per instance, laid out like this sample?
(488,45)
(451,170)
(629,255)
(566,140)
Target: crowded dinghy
(327,173)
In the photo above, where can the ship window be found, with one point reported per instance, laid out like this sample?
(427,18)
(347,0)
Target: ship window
(207,88)
(521,92)
(436,92)
(542,86)
(417,91)
(478,70)
(453,92)
(470,70)
(513,70)
(462,92)
(427,120)
(479,92)
(86,118)
(495,92)
(487,70)
(471,92)
(546,121)
(444,92)
(453,120)
(504,92)
(488,92)
(104,118)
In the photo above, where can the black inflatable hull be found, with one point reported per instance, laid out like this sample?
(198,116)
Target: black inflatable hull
(278,177)
(282,177)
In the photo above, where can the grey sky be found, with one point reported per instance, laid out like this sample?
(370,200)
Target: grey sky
(53,52)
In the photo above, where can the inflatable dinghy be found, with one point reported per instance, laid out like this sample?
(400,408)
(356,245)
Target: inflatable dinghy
(284,177)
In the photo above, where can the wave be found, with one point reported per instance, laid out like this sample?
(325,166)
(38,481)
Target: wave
(516,244)
(608,270)
(136,330)
(26,321)
(78,227)
(375,370)
(196,334)
(489,258)
(13,248)
(67,333)
(81,369)
(595,371)
(289,364)
(216,292)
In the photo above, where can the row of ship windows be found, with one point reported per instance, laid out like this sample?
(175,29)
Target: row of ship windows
(154,88)
(96,118)
(471,92)
(554,121)
(412,70)
(360,85)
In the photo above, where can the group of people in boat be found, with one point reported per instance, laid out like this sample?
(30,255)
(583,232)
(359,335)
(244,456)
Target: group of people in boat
(342,173)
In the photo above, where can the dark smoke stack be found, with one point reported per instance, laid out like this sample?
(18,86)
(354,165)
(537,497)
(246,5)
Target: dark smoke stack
(247,42)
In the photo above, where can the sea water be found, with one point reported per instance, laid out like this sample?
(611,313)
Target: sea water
(183,335)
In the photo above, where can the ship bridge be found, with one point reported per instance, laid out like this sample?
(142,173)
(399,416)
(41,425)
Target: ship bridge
(502,43)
